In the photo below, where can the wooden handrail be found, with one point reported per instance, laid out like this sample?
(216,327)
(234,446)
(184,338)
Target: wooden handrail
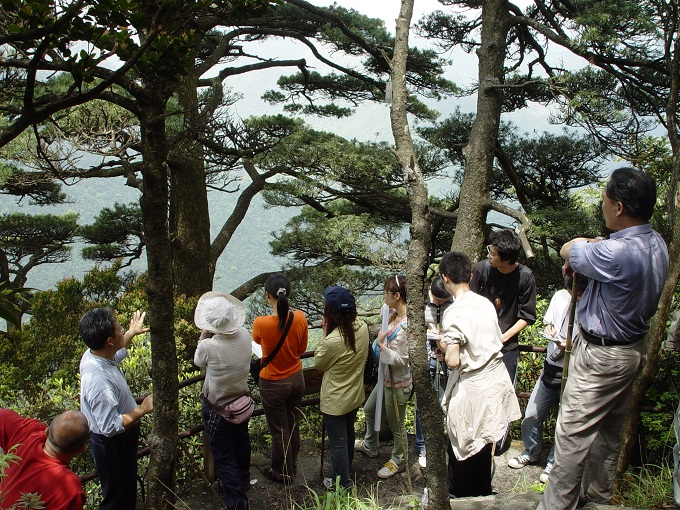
(307,402)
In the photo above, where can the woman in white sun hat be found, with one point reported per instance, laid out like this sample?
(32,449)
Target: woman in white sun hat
(224,349)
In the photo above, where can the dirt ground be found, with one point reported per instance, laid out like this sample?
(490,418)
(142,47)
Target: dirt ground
(392,493)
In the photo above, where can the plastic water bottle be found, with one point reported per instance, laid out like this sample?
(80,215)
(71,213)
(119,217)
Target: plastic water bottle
(425,499)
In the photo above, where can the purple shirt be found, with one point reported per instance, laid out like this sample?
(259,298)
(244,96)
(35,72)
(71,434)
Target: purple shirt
(627,273)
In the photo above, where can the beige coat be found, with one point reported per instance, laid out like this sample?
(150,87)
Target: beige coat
(479,400)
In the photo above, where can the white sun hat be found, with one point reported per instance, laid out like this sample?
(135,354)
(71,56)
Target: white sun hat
(220,313)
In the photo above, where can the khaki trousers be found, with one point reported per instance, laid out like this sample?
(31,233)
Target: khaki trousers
(588,430)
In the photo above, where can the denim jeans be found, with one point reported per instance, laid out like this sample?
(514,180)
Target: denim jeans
(441,381)
(541,400)
(371,438)
(340,430)
(230,448)
(115,459)
(281,403)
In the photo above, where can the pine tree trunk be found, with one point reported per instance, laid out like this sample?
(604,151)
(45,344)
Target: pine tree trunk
(479,152)
(154,205)
(192,265)
(417,262)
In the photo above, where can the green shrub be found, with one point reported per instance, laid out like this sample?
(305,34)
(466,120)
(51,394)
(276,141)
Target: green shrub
(656,437)
(648,487)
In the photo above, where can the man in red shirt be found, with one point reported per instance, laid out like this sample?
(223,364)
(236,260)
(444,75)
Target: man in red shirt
(44,454)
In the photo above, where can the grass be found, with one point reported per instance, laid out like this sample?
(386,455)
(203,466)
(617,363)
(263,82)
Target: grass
(339,499)
(649,487)
(344,499)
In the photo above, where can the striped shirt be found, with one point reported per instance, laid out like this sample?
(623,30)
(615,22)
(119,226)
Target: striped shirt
(104,393)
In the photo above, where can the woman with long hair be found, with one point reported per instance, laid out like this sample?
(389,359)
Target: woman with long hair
(392,346)
(282,384)
(341,356)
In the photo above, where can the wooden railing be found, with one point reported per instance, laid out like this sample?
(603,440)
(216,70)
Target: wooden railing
(312,386)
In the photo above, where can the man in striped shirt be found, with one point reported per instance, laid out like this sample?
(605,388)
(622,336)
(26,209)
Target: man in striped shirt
(108,404)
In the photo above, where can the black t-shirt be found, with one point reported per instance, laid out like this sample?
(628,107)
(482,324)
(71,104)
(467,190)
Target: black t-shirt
(513,295)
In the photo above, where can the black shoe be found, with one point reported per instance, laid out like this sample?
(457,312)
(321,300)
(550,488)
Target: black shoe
(270,475)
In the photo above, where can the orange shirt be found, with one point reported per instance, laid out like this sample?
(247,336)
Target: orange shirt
(287,360)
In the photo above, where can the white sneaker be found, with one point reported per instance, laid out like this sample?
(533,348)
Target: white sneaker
(389,470)
(523,459)
(545,474)
(422,460)
(360,445)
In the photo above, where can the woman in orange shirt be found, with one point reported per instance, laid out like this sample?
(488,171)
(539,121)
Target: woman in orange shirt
(281,382)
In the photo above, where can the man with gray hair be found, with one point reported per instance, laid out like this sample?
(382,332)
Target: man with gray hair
(627,273)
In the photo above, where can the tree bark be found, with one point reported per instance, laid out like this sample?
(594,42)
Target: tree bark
(480,149)
(192,266)
(657,329)
(416,266)
(154,204)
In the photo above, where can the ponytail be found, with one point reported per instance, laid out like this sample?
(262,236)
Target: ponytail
(277,285)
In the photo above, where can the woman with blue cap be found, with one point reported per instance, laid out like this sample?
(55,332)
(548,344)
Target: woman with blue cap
(341,356)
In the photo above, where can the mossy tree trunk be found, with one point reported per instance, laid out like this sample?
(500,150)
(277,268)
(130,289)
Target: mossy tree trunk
(416,265)
(657,330)
(480,149)
(154,204)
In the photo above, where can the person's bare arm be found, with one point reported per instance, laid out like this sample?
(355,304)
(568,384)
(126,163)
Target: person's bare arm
(514,330)
(451,353)
(566,247)
(129,419)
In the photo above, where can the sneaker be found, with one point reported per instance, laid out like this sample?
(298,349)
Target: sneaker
(545,474)
(389,470)
(360,445)
(422,460)
(328,483)
(523,459)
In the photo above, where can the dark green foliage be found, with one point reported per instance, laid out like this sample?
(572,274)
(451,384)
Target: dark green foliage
(543,169)
(46,346)
(43,237)
(117,233)
(656,437)
(41,190)
(347,31)
(10,311)
(27,241)
(537,170)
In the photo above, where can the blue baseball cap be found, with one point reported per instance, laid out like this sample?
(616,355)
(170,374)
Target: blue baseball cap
(339,298)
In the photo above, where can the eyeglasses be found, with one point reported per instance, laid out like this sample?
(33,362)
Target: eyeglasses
(488,250)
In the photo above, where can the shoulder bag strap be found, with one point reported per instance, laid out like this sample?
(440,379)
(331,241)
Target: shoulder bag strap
(283,337)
